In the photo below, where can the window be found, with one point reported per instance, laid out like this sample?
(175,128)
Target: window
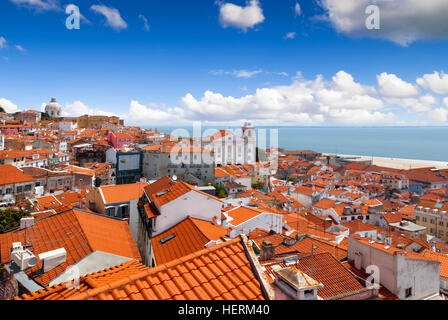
(408,292)
(28,187)
(19,189)
(432,221)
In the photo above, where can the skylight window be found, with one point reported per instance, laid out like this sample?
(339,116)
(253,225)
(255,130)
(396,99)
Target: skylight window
(167,238)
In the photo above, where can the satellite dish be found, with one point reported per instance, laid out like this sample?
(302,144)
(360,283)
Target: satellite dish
(175,178)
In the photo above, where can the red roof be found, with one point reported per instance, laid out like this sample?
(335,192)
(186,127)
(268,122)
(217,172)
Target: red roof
(222,272)
(78,232)
(188,236)
(10,174)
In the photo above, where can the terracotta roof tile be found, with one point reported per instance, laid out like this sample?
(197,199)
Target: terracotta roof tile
(79,232)
(154,284)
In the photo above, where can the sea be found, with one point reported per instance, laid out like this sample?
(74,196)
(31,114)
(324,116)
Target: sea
(421,143)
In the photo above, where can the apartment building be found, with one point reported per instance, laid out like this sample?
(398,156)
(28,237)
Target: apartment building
(433,215)
(160,161)
(14,184)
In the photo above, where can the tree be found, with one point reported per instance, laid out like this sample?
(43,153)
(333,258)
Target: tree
(220,191)
(10,219)
(258,185)
(2,109)
(45,116)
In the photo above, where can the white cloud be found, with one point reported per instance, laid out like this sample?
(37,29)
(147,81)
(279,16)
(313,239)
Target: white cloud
(445,101)
(237,73)
(142,113)
(304,102)
(78,108)
(20,48)
(112,15)
(436,82)
(2,42)
(439,115)
(231,15)
(392,86)
(290,35)
(401,21)
(145,22)
(43,5)
(297,9)
(8,105)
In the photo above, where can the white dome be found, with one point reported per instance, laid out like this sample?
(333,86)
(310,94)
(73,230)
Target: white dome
(53,109)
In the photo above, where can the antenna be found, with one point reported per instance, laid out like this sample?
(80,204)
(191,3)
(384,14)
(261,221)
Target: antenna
(312,257)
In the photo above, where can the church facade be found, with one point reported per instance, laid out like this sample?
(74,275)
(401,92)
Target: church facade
(230,148)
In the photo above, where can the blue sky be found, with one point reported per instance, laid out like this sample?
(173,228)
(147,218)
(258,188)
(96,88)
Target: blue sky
(227,61)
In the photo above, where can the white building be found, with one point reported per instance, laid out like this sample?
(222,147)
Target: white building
(230,148)
(2,142)
(244,220)
(406,274)
(65,126)
(165,203)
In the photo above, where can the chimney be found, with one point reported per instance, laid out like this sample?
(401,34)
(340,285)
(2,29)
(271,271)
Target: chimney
(26,223)
(267,250)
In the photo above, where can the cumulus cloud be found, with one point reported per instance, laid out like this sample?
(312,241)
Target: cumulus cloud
(78,108)
(237,73)
(436,82)
(340,100)
(112,15)
(242,17)
(160,113)
(304,101)
(392,86)
(439,115)
(401,21)
(8,105)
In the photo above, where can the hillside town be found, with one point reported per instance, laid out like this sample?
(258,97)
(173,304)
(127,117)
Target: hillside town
(92,209)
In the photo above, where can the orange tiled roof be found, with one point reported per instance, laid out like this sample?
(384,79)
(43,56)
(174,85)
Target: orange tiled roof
(325,268)
(190,235)
(123,193)
(242,214)
(10,174)
(165,190)
(222,272)
(79,232)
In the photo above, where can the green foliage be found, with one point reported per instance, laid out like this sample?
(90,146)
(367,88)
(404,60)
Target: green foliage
(258,186)
(291,179)
(2,109)
(220,191)
(10,219)
(45,116)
